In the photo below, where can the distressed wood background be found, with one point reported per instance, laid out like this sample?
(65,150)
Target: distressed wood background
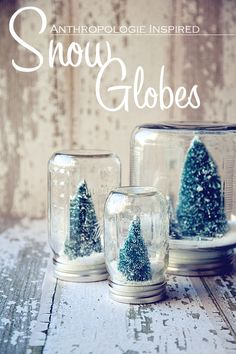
(56,108)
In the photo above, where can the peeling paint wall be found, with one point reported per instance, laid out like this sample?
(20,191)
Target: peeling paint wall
(57,108)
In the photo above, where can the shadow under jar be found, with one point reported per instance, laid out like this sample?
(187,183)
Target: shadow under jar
(136,244)
(79,183)
(194,166)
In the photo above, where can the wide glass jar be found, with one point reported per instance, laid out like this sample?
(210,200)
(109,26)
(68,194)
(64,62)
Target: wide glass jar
(194,166)
(79,183)
(136,244)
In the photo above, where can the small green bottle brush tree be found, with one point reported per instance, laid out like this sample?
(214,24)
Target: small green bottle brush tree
(84,232)
(200,209)
(133,261)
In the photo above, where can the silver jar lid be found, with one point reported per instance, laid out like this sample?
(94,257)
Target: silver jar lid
(130,294)
(81,274)
(201,257)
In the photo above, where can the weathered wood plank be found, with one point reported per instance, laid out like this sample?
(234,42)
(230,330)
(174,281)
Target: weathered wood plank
(206,60)
(23,260)
(82,318)
(215,311)
(40,332)
(85,320)
(34,110)
(223,292)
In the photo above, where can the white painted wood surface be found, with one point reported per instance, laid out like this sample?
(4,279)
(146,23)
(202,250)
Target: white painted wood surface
(198,317)
(85,320)
(23,261)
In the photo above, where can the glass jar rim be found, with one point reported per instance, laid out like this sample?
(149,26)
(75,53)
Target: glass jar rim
(136,190)
(92,153)
(196,126)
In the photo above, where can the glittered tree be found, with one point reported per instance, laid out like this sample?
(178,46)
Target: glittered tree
(134,263)
(200,210)
(173,224)
(84,230)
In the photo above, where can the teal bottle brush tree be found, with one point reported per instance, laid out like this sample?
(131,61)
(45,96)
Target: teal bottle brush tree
(84,233)
(200,210)
(134,262)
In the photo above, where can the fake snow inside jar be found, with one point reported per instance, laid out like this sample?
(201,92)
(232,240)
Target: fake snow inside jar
(194,166)
(79,183)
(136,244)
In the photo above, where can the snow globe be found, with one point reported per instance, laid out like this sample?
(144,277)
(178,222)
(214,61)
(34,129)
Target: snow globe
(79,183)
(194,166)
(136,244)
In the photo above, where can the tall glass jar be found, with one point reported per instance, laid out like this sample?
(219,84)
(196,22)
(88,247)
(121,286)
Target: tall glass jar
(79,183)
(136,244)
(194,166)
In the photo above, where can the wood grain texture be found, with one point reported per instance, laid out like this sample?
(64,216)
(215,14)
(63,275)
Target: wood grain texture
(223,291)
(23,261)
(207,60)
(197,317)
(54,109)
(85,320)
(34,111)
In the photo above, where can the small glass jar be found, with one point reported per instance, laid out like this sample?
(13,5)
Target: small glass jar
(79,183)
(136,244)
(194,166)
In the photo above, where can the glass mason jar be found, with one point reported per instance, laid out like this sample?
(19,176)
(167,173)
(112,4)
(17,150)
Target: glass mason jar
(136,244)
(194,166)
(79,183)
